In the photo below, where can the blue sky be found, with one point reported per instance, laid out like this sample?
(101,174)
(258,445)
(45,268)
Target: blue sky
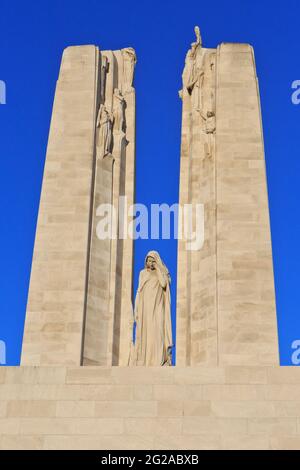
(32,37)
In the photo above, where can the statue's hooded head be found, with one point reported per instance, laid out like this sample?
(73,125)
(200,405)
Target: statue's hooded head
(155,255)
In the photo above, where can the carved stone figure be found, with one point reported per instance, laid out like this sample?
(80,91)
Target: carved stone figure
(103,72)
(129,61)
(152,314)
(209,128)
(198,36)
(210,121)
(193,68)
(119,111)
(105,135)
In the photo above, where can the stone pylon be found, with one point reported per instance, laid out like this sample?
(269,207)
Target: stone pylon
(80,294)
(225,291)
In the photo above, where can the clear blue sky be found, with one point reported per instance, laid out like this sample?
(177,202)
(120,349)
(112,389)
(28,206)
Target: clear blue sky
(32,37)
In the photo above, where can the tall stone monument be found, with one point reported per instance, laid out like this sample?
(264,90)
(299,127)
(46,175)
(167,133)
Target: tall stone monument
(227,390)
(226,311)
(80,295)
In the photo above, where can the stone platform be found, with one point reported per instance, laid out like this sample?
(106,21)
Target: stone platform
(149,408)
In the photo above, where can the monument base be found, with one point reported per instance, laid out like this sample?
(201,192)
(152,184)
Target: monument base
(149,408)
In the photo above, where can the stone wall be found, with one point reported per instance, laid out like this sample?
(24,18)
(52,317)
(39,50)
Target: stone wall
(150,408)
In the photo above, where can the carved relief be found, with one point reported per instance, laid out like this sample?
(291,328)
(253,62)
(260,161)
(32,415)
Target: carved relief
(104,123)
(129,61)
(103,72)
(209,129)
(119,111)
(193,71)
(199,81)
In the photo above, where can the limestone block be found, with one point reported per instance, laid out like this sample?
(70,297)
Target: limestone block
(245,408)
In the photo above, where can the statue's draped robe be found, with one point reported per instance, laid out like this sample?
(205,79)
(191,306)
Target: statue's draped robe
(153,319)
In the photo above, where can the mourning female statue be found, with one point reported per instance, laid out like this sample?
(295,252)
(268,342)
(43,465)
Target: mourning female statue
(152,314)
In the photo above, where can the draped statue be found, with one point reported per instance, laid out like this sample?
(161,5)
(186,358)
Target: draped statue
(193,70)
(105,122)
(119,111)
(129,61)
(152,314)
